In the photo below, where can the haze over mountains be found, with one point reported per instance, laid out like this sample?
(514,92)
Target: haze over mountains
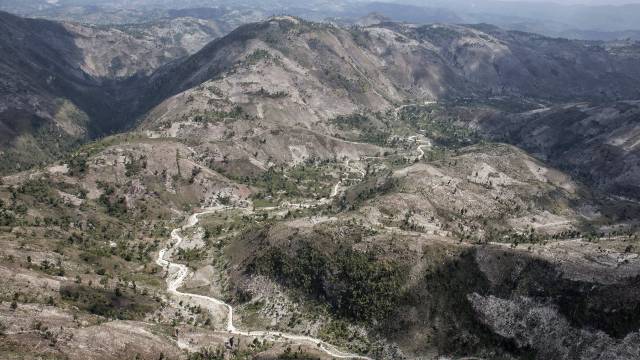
(580,20)
(334,179)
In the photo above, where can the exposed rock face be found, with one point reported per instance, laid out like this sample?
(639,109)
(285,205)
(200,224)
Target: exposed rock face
(539,326)
(566,301)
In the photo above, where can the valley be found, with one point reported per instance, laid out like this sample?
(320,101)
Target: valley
(290,189)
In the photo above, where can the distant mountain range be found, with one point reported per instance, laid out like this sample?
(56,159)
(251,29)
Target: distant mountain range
(593,22)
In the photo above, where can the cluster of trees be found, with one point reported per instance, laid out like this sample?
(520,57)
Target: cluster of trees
(357,286)
(118,303)
(268,94)
(135,166)
(370,187)
(217,116)
(439,126)
(116,205)
(369,132)
(39,191)
(7,217)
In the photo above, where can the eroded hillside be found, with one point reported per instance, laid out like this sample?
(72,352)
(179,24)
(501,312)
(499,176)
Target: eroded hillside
(599,144)
(297,190)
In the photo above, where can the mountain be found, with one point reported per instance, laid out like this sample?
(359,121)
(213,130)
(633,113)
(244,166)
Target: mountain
(274,77)
(441,60)
(600,17)
(575,21)
(304,190)
(62,82)
(471,226)
(405,13)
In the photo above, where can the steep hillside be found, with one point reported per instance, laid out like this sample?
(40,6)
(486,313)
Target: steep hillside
(89,231)
(44,91)
(282,72)
(599,144)
(390,60)
(64,83)
(122,51)
(298,190)
(425,258)
(240,94)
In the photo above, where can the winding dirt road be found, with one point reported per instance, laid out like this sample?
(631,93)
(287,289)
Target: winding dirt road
(179,272)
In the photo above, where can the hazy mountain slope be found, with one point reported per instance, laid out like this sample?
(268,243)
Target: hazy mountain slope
(586,21)
(434,61)
(605,16)
(140,48)
(62,83)
(514,63)
(41,75)
(285,70)
(600,144)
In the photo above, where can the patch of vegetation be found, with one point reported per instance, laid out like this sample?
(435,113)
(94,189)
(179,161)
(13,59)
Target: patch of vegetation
(357,286)
(273,95)
(40,190)
(436,32)
(296,355)
(52,269)
(353,121)
(439,125)
(134,166)
(338,332)
(257,56)
(7,218)
(361,38)
(367,130)
(218,116)
(208,353)
(506,104)
(190,255)
(247,352)
(352,86)
(123,304)
(115,205)
(77,164)
(308,180)
(372,186)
